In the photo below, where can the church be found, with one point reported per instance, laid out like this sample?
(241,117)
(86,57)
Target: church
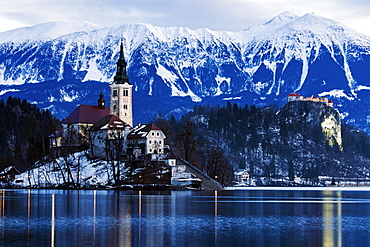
(108,133)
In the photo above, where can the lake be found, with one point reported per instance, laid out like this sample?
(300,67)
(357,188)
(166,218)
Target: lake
(254,217)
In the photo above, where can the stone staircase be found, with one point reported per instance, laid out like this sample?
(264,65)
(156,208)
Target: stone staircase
(207,182)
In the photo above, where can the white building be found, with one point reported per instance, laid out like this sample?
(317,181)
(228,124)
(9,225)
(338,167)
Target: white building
(242,177)
(108,137)
(147,139)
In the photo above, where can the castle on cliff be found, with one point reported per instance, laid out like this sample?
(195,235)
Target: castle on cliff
(298,97)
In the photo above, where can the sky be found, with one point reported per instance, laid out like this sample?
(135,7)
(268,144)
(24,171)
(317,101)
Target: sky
(228,15)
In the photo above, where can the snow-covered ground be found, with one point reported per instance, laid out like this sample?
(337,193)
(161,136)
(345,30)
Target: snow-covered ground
(82,170)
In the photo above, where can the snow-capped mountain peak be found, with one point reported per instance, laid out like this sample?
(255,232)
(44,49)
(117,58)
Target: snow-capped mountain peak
(281,19)
(46,31)
(306,54)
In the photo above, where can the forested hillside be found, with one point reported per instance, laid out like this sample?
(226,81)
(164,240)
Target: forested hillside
(267,142)
(24,131)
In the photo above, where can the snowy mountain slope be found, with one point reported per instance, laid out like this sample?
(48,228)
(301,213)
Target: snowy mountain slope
(46,31)
(260,65)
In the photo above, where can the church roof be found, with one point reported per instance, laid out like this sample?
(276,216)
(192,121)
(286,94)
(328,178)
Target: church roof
(109,122)
(142,130)
(88,114)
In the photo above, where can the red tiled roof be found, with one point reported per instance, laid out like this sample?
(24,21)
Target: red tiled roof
(88,114)
(155,127)
(294,94)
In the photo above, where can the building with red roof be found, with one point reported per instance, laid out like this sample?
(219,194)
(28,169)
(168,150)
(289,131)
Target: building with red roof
(75,126)
(294,97)
(86,114)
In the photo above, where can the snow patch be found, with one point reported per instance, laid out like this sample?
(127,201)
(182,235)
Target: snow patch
(219,79)
(337,93)
(361,87)
(170,79)
(93,72)
(8,90)
(64,96)
(232,98)
(259,86)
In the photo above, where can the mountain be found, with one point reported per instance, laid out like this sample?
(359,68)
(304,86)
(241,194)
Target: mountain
(60,65)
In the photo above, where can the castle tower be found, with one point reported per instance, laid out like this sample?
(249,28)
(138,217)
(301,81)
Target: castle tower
(121,92)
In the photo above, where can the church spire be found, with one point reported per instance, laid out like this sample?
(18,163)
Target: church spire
(121,75)
(101,101)
(121,91)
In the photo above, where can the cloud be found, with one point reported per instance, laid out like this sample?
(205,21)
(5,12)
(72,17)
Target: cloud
(230,15)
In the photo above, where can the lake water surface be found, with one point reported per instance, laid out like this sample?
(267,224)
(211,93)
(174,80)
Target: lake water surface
(270,217)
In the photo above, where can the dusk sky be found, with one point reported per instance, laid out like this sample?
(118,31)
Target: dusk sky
(229,15)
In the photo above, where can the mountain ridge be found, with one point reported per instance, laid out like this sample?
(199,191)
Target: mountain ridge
(260,65)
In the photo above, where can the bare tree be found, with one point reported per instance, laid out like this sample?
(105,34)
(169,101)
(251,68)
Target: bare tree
(187,140)
(115,153)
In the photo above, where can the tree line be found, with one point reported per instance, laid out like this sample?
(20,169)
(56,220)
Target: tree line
(217,139)
(220,139)
(24,131)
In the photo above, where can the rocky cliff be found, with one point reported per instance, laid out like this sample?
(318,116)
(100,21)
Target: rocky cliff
(311,117)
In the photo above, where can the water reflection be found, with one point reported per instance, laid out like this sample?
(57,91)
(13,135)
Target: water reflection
(184,218)
(2,211)
(332,214)
(216,214)
(52,219)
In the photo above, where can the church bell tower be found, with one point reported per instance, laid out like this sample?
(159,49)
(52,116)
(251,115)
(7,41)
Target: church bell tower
(121,92)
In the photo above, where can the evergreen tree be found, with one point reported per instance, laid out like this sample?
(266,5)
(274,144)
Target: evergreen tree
(24,131)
